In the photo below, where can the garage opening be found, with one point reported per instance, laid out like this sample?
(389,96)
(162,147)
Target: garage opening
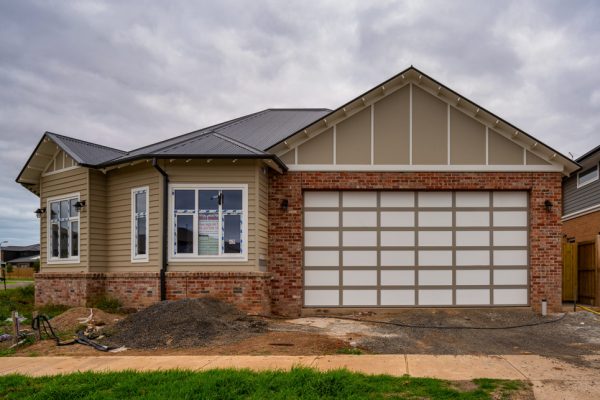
(416,248)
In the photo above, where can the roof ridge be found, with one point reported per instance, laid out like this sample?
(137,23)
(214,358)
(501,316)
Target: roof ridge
(238,143)
(250,116)
(298,109)
(84,141)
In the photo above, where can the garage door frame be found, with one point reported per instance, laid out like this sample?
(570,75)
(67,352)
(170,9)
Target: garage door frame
(416,249)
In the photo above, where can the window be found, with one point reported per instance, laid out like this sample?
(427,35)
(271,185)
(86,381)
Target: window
(587,176)
(209,222)
(139,224)
(63,229)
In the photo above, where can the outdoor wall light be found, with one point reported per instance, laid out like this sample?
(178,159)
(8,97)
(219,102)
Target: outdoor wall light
(284,204)
(79,205)
(548,204)
(39,212)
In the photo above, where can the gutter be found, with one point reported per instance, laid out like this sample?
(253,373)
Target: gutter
(165,230)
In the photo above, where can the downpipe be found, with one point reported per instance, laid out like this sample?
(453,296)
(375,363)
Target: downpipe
(165,230)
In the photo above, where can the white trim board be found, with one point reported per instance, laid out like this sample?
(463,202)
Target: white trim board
(581,213)
(427,168)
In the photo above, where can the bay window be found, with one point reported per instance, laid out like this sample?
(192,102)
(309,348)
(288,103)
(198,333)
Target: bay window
(63,229)
(209,222)
(139,224)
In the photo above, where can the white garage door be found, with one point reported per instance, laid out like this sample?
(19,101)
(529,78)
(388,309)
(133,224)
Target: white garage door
(400,248)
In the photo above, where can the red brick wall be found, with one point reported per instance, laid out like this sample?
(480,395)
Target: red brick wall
(249,291)
(285,227)
(584,228)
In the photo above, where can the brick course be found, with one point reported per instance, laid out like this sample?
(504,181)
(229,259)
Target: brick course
(584,228)
(285,227)
(249,291)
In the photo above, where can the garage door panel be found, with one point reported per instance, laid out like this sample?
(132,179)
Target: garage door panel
(359,258)
(359,297)
(360,278)
(397,297)
(416,249)
(321,298)
(321,199)
(397,199)
(321,219)
(321,238)
(318,258)
(360,219)
(322,278)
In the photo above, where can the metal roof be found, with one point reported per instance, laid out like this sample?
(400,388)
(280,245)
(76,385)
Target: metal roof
(85,152)
(32,247)
(23,259)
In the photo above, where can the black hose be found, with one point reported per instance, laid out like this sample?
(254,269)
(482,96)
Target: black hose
(404,325)
(41,322)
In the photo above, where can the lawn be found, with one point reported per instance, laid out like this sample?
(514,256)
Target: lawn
(299,383)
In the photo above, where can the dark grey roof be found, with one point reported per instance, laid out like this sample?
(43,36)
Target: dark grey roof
(589,153)
(32,247)
(23,259)
(247,136)
(85,152)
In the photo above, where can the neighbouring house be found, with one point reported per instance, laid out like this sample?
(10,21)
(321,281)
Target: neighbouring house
(20,256)
(581,227)
(409,195)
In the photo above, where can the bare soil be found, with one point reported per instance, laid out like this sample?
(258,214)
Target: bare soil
(79,317)
(210,327)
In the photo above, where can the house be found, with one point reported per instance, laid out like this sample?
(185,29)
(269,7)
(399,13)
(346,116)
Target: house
(20,256)
(409,195)
(581,227)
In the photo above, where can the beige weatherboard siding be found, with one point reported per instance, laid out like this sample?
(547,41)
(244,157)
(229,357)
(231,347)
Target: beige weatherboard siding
(411,127)
(57,185)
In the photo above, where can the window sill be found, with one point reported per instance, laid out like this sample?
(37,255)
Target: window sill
(63,261)
(580,185)
(207,259)
(140,260)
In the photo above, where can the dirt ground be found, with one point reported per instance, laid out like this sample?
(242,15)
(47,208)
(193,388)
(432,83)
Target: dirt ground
(569,339)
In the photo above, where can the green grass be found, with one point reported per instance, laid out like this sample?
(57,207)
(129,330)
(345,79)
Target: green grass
(106,303)
(299,383)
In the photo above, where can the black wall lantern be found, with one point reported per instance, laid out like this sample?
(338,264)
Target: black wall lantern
(284,205)
(79,205)
(548,204)
(39,212)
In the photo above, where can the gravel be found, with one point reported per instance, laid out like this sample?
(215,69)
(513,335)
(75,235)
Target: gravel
(184,323)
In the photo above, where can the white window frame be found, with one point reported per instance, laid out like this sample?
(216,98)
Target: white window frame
(228,257)
(56,260)
(593,180)
(136,258)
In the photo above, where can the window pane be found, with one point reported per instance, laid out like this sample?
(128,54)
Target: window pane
(54,240)
(74,238)
(140,202)
(73,209)
(64,238)
(185,199)
(185,234)
(141,236)
(208,199)
(232,234)
(64,209)
(54,210)
(208,234)
(588,176)
(232,199)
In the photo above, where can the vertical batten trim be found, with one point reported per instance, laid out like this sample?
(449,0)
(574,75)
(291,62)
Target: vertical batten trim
(487,146)
(524,156)
(334,144)
(410,124)
(448,130)
(372,134)
(296,155)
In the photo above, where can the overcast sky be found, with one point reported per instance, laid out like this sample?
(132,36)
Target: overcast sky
(126,74)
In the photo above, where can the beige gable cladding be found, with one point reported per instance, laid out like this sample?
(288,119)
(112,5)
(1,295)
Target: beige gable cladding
(414,124)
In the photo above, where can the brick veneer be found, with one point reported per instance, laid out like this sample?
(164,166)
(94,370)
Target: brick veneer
(285,227)
(249,291)
(584,228)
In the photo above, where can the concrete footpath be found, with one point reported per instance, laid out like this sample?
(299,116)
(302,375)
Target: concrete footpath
(551,379)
